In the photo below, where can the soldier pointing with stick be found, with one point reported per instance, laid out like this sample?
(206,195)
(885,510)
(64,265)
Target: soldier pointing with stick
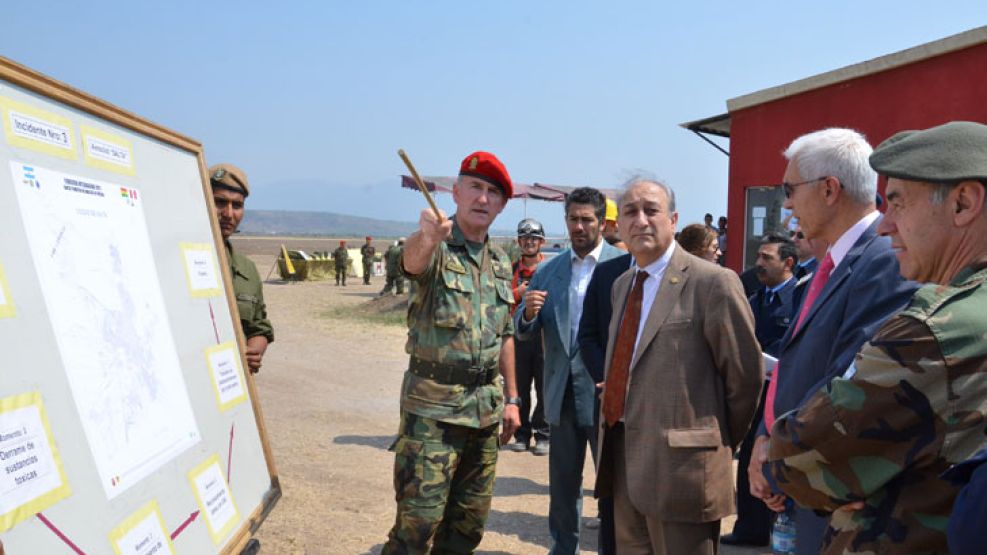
(460,379)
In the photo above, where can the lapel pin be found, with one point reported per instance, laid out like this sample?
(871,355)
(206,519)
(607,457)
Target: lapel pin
(673,279)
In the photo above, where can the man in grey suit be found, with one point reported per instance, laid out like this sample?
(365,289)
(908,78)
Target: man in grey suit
(553,305)
(830,187)
(683,380)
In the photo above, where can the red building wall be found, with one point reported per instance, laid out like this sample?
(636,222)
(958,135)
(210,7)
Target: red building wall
(923,94)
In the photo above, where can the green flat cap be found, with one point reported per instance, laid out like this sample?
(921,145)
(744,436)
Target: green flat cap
(955,151)
(229,177)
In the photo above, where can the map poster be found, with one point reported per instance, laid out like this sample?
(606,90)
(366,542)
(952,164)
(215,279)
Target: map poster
(90,246)
(31,474)
(142,533)
(214,498)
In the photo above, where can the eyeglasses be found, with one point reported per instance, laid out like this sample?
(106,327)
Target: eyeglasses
(789,188)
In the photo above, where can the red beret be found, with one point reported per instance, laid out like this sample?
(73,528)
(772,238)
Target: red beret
(487,167)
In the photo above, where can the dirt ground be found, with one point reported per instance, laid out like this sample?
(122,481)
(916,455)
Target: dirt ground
(329,391)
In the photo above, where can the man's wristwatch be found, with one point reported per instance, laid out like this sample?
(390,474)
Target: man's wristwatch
(512,401)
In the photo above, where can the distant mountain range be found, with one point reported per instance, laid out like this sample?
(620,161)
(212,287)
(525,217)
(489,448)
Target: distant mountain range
(330,224)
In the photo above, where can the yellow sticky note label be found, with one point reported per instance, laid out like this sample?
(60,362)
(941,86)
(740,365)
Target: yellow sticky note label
(107,151)
(33,477)
(142,532)
(28,127)
(7,309)
(201,269)
(227,375)
(212,493)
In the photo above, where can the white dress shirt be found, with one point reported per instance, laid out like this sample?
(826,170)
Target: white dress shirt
(655,270)
(841,247)
(582,271)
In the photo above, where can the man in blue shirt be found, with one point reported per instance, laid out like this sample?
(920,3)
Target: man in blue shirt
(773,305)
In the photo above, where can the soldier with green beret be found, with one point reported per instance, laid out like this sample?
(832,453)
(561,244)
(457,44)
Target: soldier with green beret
(459,385)
(341,256)
(229,191)
(870,446)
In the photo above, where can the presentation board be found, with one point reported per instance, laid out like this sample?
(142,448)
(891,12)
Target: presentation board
(127,422)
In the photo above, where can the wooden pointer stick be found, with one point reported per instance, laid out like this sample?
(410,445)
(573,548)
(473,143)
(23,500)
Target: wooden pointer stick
(421,184)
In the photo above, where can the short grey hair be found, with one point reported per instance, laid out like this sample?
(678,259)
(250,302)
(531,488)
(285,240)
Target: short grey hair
(939,192)
(651,180)
(837,152)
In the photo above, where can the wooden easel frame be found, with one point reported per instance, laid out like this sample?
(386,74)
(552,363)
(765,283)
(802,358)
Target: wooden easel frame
(28,79)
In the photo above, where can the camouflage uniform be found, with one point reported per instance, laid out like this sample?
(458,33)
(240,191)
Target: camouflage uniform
(342,258)
(249,292)
(446,452)
(912,403)
(367,252)
(395,278)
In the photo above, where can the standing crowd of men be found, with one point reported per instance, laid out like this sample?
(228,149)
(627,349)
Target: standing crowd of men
(852,380)
(868,327)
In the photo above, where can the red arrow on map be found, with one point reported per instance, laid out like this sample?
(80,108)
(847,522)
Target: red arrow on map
(212,315)
(229,456)
(60,535)
(181,528)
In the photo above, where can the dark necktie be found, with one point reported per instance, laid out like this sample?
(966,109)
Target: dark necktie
(623,351)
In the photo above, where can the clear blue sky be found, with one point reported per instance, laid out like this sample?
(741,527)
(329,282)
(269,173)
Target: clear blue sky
(313,99)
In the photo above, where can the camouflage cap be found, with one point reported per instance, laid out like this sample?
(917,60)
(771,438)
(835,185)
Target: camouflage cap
(230,177)
(952,152)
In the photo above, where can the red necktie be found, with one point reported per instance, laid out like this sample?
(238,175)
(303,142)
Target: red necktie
(818,282)
(623,352)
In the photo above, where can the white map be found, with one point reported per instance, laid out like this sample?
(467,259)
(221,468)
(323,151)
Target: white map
(93,257)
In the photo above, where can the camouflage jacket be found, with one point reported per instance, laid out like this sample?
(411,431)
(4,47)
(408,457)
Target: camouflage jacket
(460,312)
(912,403)
(249,293)
(341,256)
(392,259)
(367,252)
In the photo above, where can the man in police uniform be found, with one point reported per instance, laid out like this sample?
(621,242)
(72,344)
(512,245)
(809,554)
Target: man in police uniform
(229,190)
(870,446)
(341,256)
(367,252)
(453,398)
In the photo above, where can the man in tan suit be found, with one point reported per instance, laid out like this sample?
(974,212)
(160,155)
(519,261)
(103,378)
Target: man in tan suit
(683,379)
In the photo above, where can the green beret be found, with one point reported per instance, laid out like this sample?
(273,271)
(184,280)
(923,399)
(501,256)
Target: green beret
(956,151)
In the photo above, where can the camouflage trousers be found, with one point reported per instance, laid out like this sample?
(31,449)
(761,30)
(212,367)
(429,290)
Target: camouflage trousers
(444,481)
(340,274)
(368,268)
(392,282)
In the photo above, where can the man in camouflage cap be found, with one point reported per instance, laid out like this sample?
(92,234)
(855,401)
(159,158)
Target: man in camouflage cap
(870,446)
(229,191)
(453,398)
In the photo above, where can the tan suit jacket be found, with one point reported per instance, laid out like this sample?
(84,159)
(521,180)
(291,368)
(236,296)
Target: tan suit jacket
(695,381)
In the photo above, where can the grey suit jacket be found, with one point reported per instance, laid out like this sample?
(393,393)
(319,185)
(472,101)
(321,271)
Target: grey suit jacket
(562,361)
(695,382)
